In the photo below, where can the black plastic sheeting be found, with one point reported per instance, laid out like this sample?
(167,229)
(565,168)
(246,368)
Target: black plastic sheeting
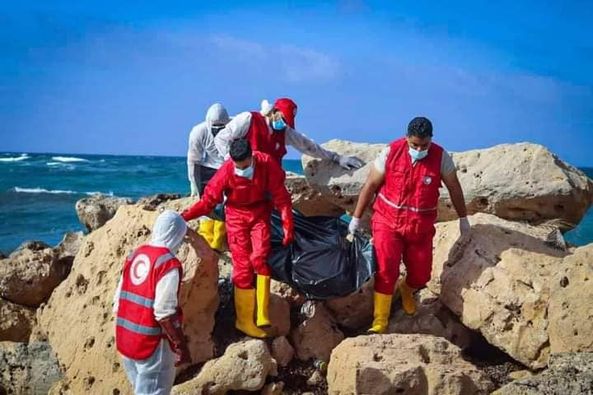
(321,263)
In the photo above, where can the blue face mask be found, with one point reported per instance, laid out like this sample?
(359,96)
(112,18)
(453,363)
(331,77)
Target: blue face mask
(246,172)
(417,155)
(279,125)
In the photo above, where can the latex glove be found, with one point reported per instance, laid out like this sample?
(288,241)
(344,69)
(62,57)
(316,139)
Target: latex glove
(353,225)
(182,355)
(464,227)
(349,162)
(194,192)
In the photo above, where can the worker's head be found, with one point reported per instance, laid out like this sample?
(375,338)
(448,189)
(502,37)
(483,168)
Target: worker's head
(216,118)
(242,156)
(169,230)
(419,137)
(288,108)
(279,115)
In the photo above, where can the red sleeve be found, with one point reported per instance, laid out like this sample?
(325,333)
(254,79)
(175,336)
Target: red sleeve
(211,197)
(277,177)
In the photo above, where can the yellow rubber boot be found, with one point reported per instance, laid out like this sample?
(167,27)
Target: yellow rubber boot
(381,312)
(206,230)
(218,236)
(263,301)
(244,309)
(407,295)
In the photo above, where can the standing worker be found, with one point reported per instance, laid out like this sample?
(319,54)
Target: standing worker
(405,181)
(203,159)
(271,129)
(148,330)
(249,180)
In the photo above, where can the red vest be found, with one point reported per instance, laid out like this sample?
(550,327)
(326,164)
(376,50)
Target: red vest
(260,138)
(137,332)
(410,190)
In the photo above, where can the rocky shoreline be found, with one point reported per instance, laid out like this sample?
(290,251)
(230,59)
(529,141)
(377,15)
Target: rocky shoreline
(509,311)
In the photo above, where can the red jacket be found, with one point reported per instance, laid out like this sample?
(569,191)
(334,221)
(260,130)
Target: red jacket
(255,195)
(262,140)
(410,189)
(137,332)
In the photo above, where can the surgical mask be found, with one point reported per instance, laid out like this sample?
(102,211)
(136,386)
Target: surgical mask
(416,154)
(246,172)
(278,125)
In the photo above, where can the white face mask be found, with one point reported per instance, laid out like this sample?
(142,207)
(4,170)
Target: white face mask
(246,172)
(417,155)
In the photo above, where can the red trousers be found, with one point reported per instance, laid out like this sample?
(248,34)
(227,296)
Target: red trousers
(248,232)
(397,241)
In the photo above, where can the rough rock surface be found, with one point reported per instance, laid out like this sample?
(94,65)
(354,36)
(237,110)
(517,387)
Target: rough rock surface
(151,203)
(570,313)
(353,311)
(244,366)
(29,275)
(82,304)
(69,246)
(287,293)
(27,368)
(499,283)
(519,182)
(16,322)
(282,351)
(402,364)
(279,311)
(93,212)
(317,336)
(431,318)
(568,373)
(308,201)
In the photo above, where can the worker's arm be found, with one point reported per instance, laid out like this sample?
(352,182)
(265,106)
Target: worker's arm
(237,128)
(165,297)
(309,147)
(281,199)
(195,152)
(455,192)
(116,295)
(367,194)
(213,194)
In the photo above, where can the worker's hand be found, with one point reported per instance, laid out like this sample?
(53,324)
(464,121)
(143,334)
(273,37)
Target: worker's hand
(353,225)
(349,162)
(464,227)
(182,355)
(194,191)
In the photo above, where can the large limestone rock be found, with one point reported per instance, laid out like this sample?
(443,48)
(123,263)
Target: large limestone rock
(93,212)
(568,373)
(16,322)
(519,182)
(244,366)
(30,274)
(402,364)
(27,368)
(499,283)
(78,319)
(353,311)
(307,200)
(317,335)
(570,313)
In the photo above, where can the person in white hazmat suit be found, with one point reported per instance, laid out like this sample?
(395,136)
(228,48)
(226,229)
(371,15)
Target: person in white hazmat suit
(148,332)
(203,159)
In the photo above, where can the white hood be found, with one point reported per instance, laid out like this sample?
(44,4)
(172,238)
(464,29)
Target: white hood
(168,230)
(216,114)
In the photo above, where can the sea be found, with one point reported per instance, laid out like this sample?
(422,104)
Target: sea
(38,191)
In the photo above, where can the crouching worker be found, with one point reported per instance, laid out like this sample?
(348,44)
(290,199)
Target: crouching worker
(148,330)
(249,179)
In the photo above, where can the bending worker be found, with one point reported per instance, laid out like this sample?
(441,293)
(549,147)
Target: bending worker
(203,159)
(148,330)
(404,182)
(271,129)
(249,180)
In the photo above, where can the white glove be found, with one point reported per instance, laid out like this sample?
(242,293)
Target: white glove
(349,162)
(464,227)
(353,225)
(194,192)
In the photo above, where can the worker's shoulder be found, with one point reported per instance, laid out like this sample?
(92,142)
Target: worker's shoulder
(262,157)
(199,129)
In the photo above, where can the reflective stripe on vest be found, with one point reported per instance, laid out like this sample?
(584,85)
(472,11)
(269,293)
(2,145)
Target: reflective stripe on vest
(135,298)
(404,207)
(141,329)
(162,259)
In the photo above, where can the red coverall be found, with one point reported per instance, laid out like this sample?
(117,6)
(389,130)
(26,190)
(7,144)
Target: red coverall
(405,211)
(247,210)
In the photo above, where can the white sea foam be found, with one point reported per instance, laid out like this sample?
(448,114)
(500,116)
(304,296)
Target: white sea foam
(58,191)
(68,159)
(15,158)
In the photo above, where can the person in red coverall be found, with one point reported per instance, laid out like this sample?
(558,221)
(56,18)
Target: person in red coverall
(248,181)
(404,183)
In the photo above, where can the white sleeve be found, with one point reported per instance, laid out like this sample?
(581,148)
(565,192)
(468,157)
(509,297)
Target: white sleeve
(195,146)
(235,129)
(165,296)
(116,296)
(447,164)
(307,146)
(381,160)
